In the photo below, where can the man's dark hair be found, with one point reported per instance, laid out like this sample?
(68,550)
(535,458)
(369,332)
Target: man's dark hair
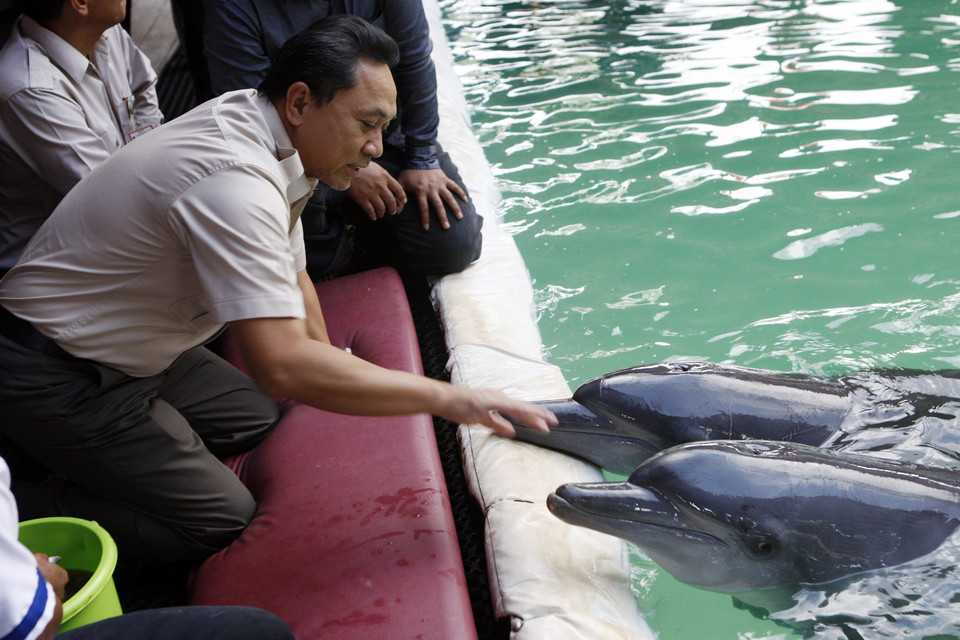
(41,10)
(325,57)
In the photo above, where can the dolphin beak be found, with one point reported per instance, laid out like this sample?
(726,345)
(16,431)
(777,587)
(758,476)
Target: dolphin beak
(571,416)
(651,522)
(584,434)
(608,506)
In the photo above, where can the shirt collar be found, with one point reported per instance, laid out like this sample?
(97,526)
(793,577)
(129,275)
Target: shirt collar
(291,169)
(299,186)
(62,53)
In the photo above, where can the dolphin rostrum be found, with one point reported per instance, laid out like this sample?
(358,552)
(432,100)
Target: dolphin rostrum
(743,515)
(622,418)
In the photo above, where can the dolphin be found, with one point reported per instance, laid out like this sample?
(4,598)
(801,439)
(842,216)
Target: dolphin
(620,419)
(742,515)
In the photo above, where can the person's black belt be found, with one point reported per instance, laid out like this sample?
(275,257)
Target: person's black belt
(25,334)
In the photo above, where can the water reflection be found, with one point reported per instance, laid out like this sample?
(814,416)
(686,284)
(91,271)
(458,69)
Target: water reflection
(761,182)
(690,138)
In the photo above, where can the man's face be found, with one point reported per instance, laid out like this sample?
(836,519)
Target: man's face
(339,138)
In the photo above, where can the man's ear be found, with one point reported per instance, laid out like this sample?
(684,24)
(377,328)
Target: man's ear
(80,7)
(298,95)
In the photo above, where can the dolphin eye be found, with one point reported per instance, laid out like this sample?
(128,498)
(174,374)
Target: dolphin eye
(764,546)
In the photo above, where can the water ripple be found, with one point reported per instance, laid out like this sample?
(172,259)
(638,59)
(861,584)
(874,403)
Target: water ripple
(762,182)
(833,238)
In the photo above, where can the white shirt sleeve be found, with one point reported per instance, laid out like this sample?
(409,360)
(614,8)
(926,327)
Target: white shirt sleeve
(51,133)
(143,82)
(27,602)
(128,67)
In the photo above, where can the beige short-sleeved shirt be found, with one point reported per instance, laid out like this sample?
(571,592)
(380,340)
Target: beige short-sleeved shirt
(179,232)
(62,114)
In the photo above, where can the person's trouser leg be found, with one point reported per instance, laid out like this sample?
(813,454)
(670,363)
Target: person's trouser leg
(181,623)
(134,462)
(222,404)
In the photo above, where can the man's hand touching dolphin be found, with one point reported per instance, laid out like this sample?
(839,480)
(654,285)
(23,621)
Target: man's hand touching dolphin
(288,362)
(484,406)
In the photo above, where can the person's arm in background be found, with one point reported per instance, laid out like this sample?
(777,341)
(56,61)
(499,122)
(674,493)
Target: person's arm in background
(143,82)
(51,134)
(236,44)
(56,578)
(31,591)
(416,79)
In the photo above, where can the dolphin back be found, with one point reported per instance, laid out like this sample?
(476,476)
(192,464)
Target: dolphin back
(673,403)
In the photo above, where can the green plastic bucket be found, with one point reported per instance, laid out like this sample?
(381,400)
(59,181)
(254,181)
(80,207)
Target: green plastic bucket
(82,545)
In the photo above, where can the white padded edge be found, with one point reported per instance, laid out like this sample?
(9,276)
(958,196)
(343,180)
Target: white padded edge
(553,580)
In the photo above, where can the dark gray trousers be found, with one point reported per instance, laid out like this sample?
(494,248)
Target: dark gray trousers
(186,623)
(137,455)
(398,241)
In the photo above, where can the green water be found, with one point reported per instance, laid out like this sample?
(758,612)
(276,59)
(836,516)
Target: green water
(766,183)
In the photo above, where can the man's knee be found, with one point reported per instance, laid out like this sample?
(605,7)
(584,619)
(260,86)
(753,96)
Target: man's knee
(458,247)
(261,415)
(222,526)
(439,251)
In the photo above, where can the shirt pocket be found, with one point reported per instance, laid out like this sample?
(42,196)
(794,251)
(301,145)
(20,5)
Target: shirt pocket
(108,136)
(192,312)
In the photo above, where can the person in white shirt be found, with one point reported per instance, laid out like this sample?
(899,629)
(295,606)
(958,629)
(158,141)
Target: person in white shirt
(103,376)
(74,89)
(29,599)
(32,595)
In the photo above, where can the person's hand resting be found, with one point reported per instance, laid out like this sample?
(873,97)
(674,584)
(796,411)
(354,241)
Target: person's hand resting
(53,573)
(377,192)
(484,406)
(432,188)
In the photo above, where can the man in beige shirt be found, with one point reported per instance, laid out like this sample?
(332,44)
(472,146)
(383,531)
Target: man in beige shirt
(103,376)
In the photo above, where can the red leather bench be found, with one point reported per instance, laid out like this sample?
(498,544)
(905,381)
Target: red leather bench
(353,535)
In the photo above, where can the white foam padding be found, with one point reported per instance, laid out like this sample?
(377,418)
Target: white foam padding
(555,581)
